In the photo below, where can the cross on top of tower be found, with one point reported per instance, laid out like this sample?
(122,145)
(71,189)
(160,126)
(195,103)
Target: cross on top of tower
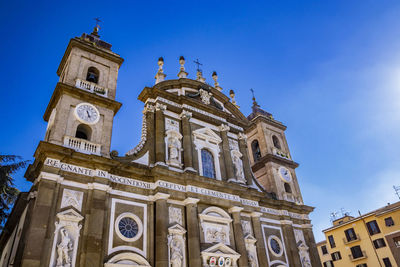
(198,64)
(97,27)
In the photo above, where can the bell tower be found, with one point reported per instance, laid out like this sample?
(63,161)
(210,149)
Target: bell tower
(81,110)
(270,158)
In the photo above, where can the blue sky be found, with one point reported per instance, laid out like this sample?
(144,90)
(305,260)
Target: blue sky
(329,70)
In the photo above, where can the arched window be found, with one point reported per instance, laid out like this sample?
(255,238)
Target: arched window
(92,75)
(207,160)
(83,131)
(275,140)
(288,189)
(255,147)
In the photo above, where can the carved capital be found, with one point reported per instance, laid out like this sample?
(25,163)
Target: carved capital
(190,200)
(256,214)
(161,107)
(159,196)
(242,136)
(235,209)
(148,108)
(186,114)
(224,127)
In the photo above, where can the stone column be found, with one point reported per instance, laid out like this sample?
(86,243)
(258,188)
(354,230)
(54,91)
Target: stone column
(149,113)
(245,158)
(193,232)
(290,241)
(160,134)
(312,247)
(258,234)
(187,141)
(230,174)
(161,236)
(239,236)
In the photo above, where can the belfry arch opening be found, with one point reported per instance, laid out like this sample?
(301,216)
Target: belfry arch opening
(255,148)
(93,75)
(276,142)
(83,131)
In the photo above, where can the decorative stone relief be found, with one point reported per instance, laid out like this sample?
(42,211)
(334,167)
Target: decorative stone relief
(224,127)
(171,124)
(176,246)
(233,144)
(205,96)
(220,255)
(143,137)
(247,229)
(302,247)
(66,238)
(215,224)
(72,198)
(175,215)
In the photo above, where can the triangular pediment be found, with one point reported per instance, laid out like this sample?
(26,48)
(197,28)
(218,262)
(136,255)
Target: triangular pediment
(70,215)
(207,134)
(221,248)
(177,229)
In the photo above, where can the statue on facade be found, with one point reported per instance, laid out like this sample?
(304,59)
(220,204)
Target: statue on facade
(173,147)
(176,254)
(252,260)
(63,248)
(238,168)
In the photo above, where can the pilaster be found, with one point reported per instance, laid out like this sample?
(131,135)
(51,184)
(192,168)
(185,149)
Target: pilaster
(290,241)
(149,113)
(160,132)
(239,236)
(161,231)
(187,141)
(312,247)
(261,252)
(193,232)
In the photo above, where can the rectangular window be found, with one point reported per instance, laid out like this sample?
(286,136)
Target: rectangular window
(350,234)
(379,243)
(328,264)
(331,241)
(336,256)
(356,252)
(389,221)
(373,227)
(397,241)
(387,262)
(362,265)
(324,250)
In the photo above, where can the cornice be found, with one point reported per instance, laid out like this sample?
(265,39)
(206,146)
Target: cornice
(89,47)
(272,158)
(62,89)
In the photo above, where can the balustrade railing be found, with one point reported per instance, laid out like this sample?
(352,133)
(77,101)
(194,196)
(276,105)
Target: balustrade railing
(82,145)
(281,154)
(91,87)
(358,257)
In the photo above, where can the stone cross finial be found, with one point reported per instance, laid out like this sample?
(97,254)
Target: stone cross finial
(182,73)
(215,78)
(160,76)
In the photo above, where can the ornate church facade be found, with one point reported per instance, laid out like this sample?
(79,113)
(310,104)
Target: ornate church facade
(205,186)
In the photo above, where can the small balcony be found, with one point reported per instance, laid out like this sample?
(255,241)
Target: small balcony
(82,145)
(289,197)
(354,239)
(280,153)
(359,257)
(91,87)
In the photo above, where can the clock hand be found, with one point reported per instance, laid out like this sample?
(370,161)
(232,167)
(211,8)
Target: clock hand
(88,113)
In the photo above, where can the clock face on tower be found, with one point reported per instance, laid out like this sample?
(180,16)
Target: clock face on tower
(284,173)
(87,113)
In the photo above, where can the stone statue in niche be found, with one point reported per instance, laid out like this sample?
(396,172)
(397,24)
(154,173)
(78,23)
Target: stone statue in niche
(174,147)
(252,260)
(238,166)
(63,249)
(176,253)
